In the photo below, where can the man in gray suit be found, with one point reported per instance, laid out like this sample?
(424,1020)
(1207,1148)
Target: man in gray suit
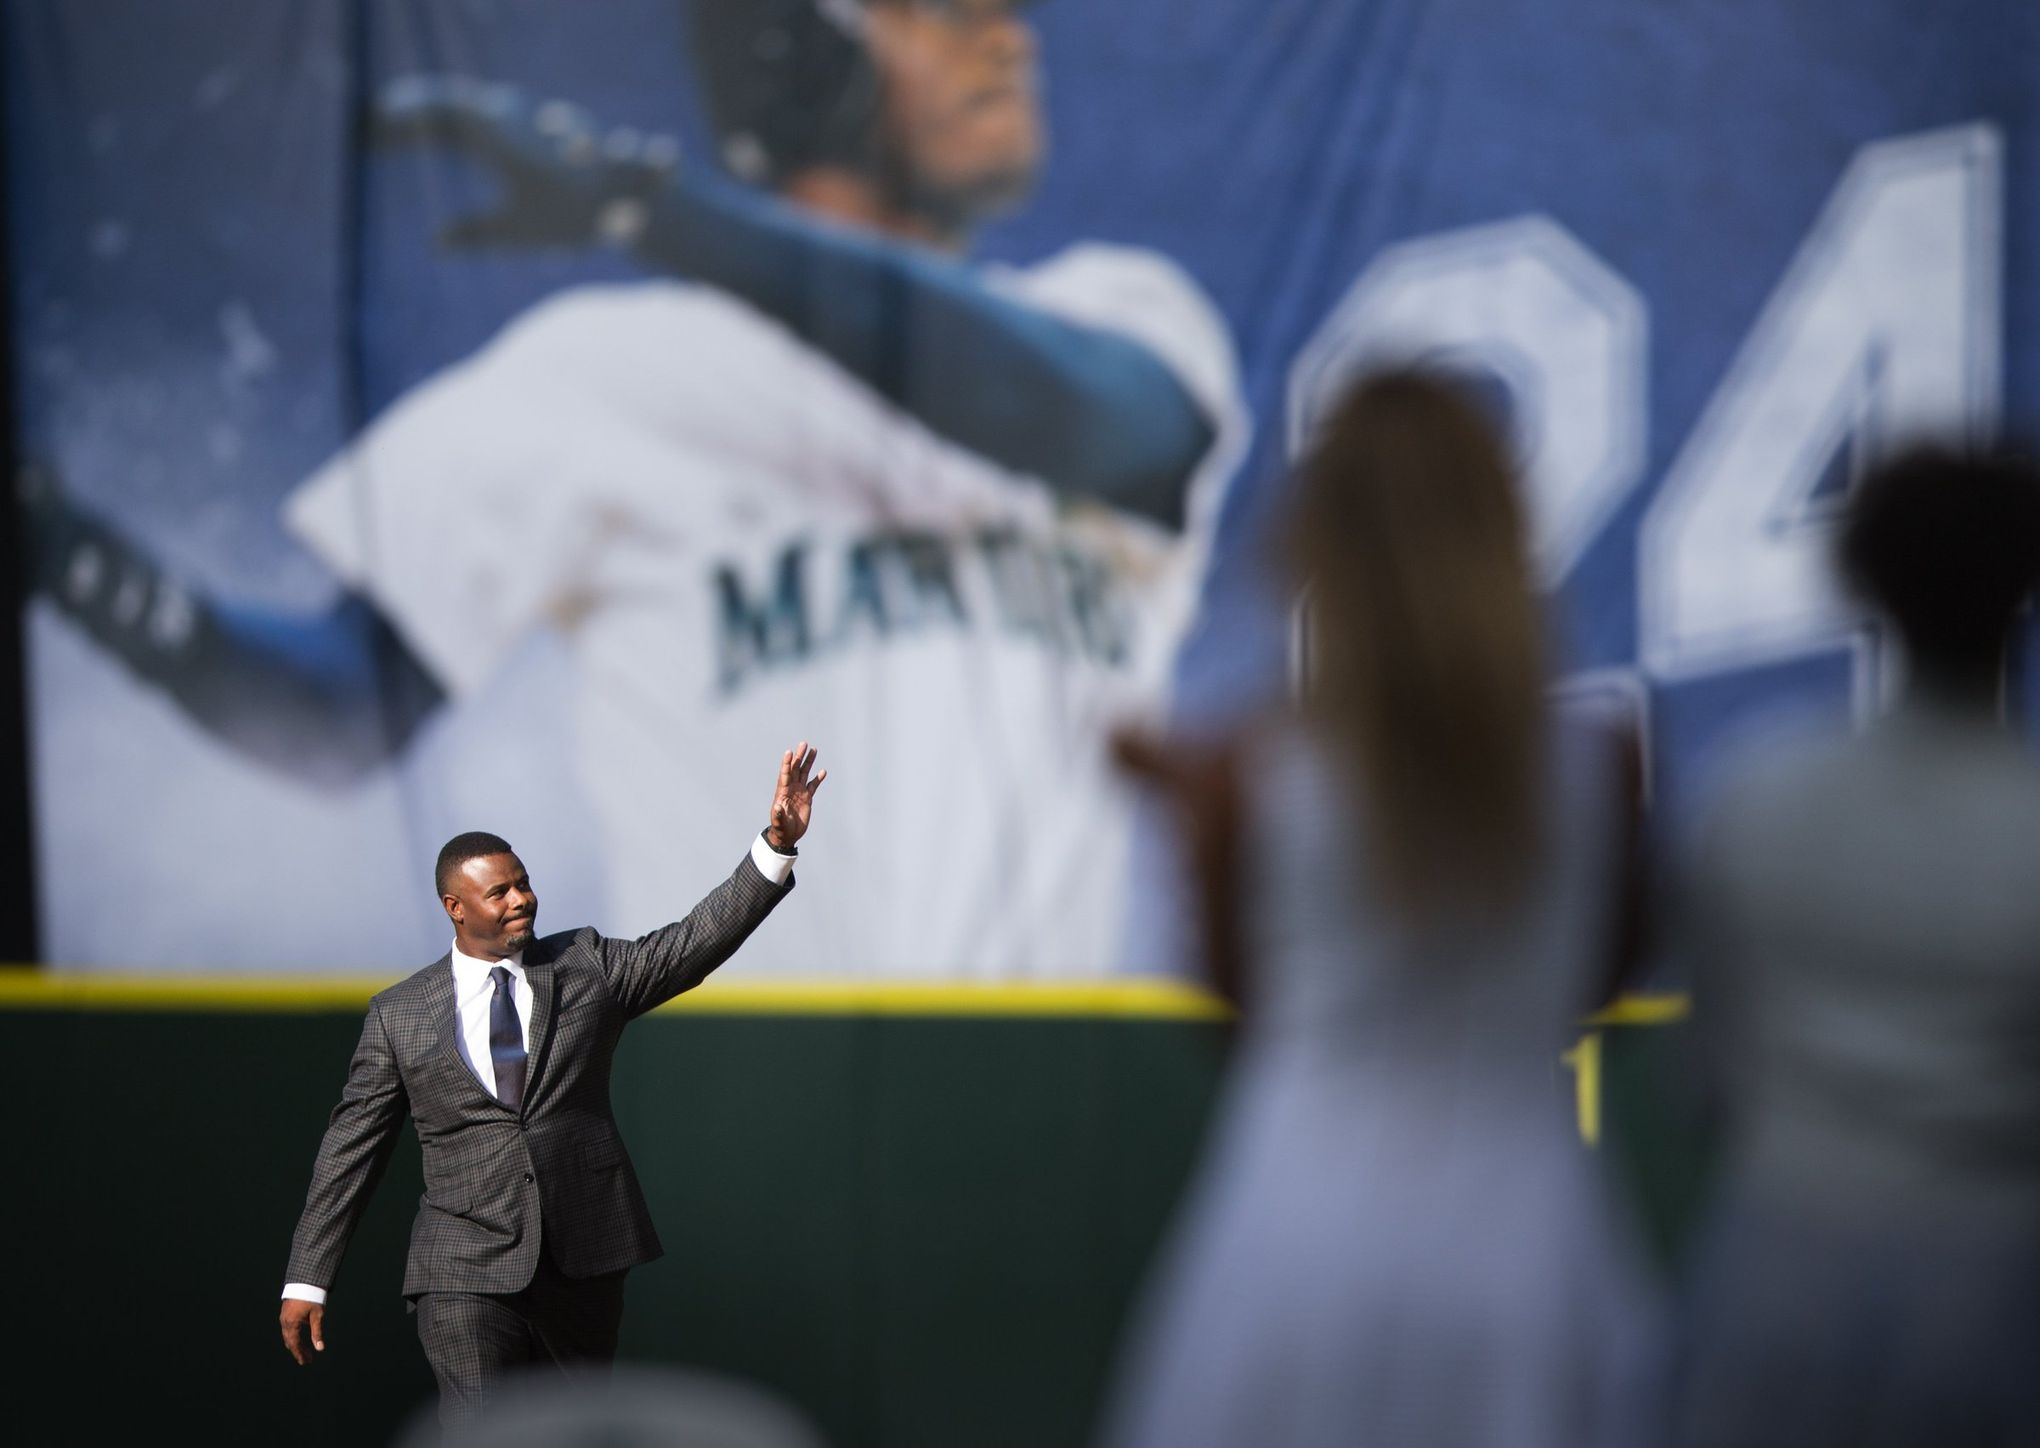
(499,1051)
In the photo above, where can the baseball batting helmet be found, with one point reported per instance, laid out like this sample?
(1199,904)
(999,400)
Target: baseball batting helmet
(789,83)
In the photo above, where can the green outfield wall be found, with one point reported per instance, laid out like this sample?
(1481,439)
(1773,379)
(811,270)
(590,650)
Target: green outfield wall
(921,1214)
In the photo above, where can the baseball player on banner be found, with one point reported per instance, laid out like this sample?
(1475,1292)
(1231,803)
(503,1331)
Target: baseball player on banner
(818,471)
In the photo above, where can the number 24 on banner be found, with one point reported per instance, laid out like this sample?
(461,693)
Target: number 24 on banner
(1884,326)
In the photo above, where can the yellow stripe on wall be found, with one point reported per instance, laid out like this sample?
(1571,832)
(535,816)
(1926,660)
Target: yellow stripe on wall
(1144,999)
(1656,1009)
(56,990)
(29,989)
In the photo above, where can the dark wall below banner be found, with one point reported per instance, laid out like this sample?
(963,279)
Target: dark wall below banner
(922,1231)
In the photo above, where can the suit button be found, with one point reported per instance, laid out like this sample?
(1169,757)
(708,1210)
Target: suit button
(528,1176)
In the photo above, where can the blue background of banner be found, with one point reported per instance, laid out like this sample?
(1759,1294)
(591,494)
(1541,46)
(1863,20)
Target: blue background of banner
(187,201)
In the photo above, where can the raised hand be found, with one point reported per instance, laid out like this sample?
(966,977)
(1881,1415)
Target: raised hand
(564,184)
(295,1317)
(793,799)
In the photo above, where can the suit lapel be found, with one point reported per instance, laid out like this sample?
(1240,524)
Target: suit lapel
(439,999)
(445,1016)
(538,970)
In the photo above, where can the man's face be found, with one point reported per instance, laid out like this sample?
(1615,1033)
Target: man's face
(492,906)
(961,114)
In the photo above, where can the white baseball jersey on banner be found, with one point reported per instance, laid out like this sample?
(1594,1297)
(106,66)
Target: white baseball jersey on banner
(743,546)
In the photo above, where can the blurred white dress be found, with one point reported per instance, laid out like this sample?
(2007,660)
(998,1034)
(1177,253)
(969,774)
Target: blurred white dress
(1396,1237)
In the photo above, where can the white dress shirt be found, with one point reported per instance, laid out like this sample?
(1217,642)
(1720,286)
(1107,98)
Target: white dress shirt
(474,992)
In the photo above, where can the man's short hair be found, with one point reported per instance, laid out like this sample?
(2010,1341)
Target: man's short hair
(473,845)
(1945,543)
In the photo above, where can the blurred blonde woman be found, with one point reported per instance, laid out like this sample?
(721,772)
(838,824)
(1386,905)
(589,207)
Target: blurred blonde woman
(1395,1237)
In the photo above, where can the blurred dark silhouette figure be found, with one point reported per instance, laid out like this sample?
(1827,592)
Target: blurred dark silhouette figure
(1395,1237)
(1862,923)
(637,1408)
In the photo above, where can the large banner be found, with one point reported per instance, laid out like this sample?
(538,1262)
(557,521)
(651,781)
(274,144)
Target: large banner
(529,416)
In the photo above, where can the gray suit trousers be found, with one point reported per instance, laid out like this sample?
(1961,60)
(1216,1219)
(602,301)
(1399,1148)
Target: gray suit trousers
(472,1339)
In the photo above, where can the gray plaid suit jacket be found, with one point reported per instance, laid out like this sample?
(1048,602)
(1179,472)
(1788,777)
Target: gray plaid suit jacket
(495,1178)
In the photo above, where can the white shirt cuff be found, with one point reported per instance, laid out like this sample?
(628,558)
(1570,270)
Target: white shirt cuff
(305,1292)
(771,864)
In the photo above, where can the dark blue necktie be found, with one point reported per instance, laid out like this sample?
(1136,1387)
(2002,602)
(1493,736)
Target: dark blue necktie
(506,1042)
